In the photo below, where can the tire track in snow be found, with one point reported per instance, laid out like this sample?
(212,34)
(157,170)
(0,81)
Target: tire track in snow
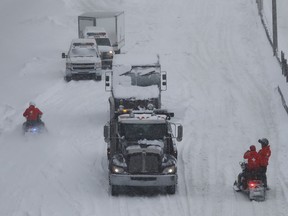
(202,65)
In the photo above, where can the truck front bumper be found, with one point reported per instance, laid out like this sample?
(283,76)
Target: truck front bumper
(81,74)
(143,180)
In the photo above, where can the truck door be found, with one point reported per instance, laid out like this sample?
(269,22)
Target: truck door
(83,22)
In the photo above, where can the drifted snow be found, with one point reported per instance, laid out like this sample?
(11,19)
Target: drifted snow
(142,58)
(138,92)
(150,144)
(222,86)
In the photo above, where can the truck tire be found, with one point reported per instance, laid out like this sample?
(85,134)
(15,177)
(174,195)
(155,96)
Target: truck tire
(67,78)
(108,154)
(114,190)
(171,189)
(118,51)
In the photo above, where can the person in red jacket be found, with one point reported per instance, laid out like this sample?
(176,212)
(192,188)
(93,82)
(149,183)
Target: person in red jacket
(251,168)
(252,158)
(33,114)
(264,155)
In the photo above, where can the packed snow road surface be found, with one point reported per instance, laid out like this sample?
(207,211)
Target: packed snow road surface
(222,81)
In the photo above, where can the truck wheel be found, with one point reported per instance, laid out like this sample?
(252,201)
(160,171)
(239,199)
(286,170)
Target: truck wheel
(108,153)
(118,51)
(67,78)
(171,189)
(114,190)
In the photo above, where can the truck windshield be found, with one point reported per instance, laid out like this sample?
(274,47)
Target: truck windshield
(143,131)
(82,51)
(103,42)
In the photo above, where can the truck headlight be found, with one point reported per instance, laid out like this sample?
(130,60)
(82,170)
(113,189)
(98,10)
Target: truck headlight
(116,169)
(109,54)
(170,170)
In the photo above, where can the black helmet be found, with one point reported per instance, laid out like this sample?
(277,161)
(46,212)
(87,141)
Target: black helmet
(31,103)
(264,141)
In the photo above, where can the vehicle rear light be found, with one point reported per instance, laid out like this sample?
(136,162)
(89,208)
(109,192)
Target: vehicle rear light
(253,184)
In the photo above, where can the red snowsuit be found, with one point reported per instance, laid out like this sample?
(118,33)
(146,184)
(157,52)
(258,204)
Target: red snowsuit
(32,113)
(252,167)
(264,155)
(253,160)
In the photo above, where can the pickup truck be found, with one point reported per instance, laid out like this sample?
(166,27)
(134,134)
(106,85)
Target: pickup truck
(103,43)
(83,60)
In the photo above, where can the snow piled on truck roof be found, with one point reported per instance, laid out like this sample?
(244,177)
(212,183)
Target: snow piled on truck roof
(122,79)
(136,59)
(101,14)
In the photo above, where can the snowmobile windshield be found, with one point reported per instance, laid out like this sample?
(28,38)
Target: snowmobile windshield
(82,52)
(103,42)
(133,132)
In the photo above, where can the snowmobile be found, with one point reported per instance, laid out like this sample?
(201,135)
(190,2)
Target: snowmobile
(36,127)
(253,185)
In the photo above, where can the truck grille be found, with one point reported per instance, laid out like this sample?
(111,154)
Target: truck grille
(83,66)
(143,163)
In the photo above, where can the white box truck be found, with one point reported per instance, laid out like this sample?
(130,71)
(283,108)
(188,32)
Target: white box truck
(111,21)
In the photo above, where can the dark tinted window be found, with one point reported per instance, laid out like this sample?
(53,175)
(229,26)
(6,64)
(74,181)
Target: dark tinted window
(103,42)
(143,131)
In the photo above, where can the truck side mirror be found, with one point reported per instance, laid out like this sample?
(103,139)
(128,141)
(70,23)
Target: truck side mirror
(63,55)
(179,133)
(163,81)
(108,81)
(106,132)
